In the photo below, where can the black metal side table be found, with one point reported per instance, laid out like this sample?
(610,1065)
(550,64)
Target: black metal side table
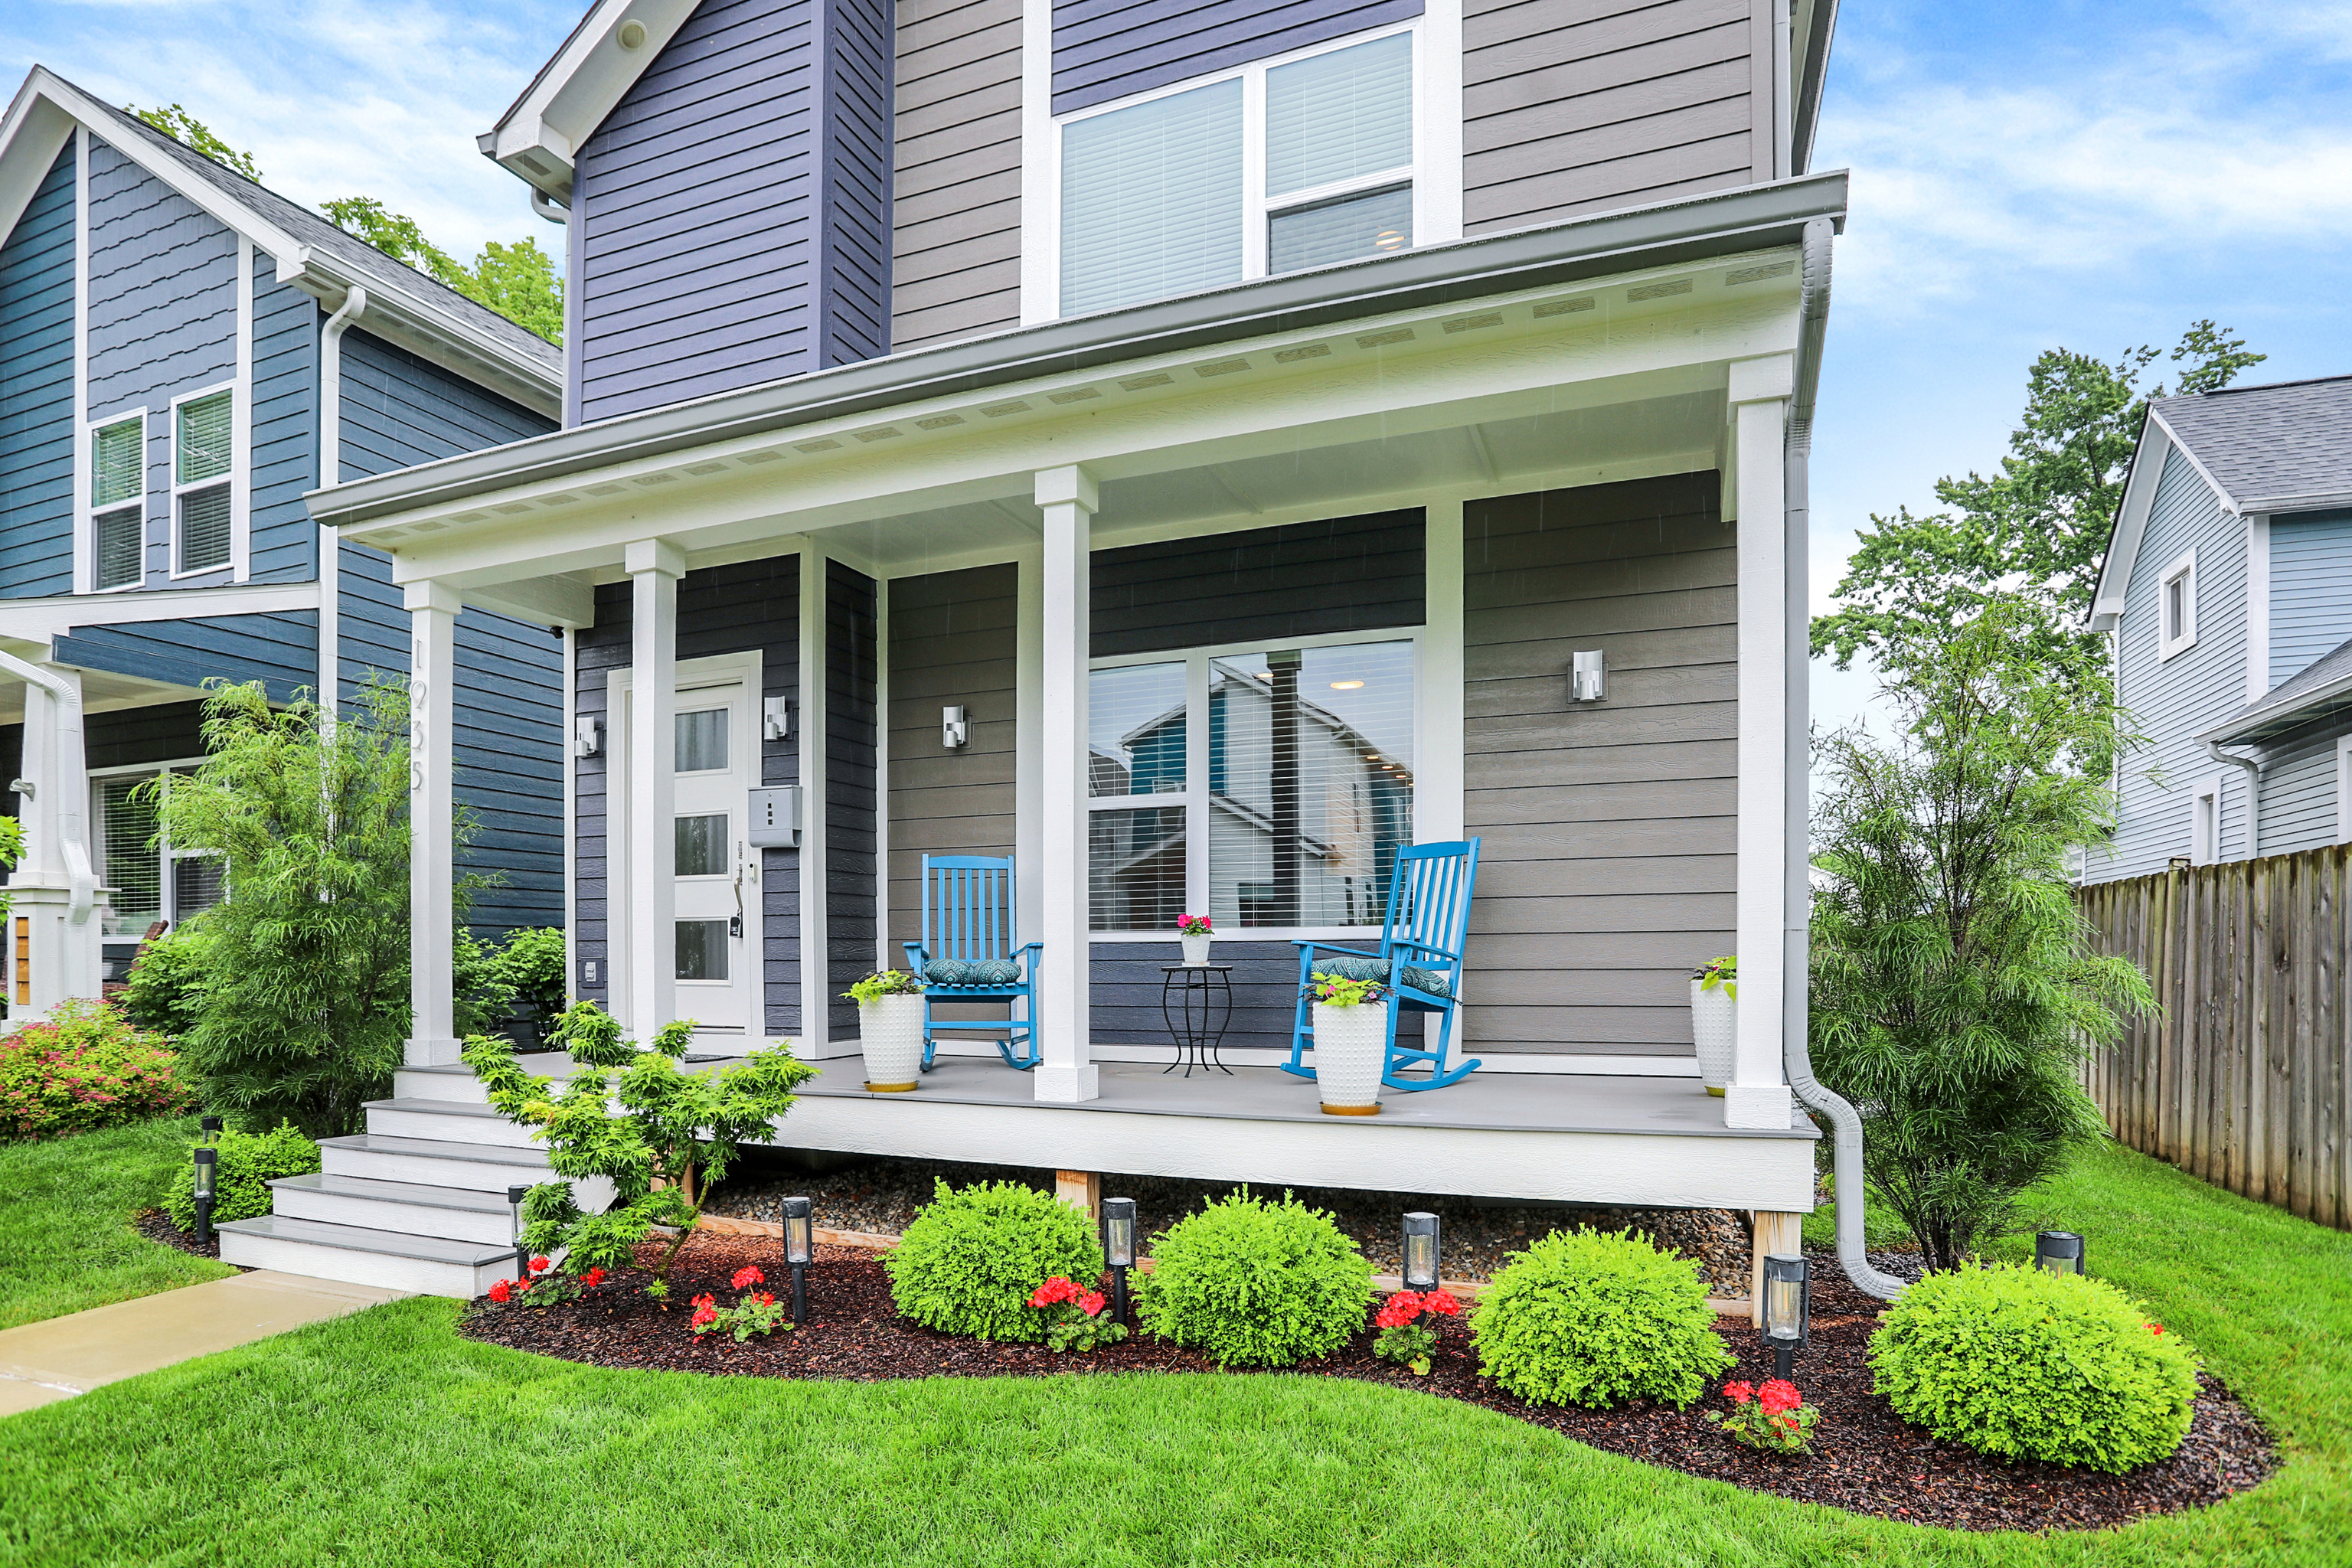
(1197,1001)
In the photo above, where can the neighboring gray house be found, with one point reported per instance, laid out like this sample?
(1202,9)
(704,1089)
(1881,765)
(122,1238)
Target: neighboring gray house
(2229,589)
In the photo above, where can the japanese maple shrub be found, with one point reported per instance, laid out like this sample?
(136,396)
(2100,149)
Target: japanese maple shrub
(1253,1283)
(1590,1318)
(971,1260)
(675,1132)
(2026,1364)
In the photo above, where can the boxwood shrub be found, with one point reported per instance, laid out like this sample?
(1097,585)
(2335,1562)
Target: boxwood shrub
(249,1162)
(1591,1318)
(2026,1364)
(969,1261)
(85,1067)
(1253,1283)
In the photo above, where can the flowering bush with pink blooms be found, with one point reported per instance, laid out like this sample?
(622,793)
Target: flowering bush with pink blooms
(83,1068)
(1404,1336)
(1074,1316)
(755,1312)
(1774,1418)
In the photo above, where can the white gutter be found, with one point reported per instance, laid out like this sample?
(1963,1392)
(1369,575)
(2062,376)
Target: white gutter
(63,817)
(2253,799)
(331,474)
(551,211)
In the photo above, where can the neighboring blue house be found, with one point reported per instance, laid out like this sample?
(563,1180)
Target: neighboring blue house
(2229,589)
(182,354)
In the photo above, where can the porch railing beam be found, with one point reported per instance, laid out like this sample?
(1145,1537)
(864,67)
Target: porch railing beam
(1069,500)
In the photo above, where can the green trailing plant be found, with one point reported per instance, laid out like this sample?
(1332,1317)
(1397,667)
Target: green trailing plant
(884,983)
(659,1133)
(2022,1363)
(1719,973)
(1592,1318)
(1955,987)
(969,1262)
(1253,1283)
(532,966)
(1339,991)
(85,1067)
(248,1162)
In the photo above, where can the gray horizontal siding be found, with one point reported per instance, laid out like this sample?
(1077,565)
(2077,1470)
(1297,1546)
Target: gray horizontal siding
(1105,49)
(281,649)
(2311,589)
(955,263)
(2299,808)
(852,930)
(1271,585)
(1573,106)
(36,387)
(1608,865)
(953,641)
(285,451)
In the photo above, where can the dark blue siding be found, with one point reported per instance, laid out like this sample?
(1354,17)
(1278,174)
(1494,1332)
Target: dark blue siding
(399,410)
(284,453)
(279,650)
(851,652)
(1298,580)
(734,207)
(1105,49)
(37,413)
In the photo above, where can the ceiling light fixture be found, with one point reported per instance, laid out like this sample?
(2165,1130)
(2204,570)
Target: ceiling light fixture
(1347,686)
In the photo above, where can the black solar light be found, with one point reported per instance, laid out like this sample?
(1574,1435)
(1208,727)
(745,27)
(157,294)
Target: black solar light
(207,1166)
(1119,1250)
(2058,1251)
(212,1132)
(799,1217)
(1788,1308)
(1421,1252)
(515,1196)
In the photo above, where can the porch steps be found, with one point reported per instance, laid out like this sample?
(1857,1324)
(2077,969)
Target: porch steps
(452,1214)
(430,1264)
(446,1121)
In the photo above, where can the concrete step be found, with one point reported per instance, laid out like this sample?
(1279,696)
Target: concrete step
(452,1214)
(428,1265)
(446,1121)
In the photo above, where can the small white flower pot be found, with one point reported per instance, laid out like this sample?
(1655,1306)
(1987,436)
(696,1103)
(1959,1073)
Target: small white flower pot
(1196,948)
(1715,1029)
(890,1033)
(1350,1051)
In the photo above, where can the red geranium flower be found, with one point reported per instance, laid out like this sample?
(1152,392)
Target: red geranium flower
(2155,1328)
(502,1290)
(540,1265)
(1738,1392)
(767,1298)
(593,1278)
(1054,1290)
(1091,1302)
(746,1277)
(1778,1394)
(1442,1302)
(704,1316)
(705,1300)
(1399,1309)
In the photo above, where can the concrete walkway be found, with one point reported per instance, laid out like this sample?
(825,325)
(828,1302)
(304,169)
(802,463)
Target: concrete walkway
(45,1361)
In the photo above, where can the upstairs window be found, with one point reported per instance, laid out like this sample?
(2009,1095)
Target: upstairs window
(118,503)
(1269,169)
(2177,606)
(203,444)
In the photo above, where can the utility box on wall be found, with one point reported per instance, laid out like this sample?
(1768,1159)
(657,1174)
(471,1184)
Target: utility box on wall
(775,816)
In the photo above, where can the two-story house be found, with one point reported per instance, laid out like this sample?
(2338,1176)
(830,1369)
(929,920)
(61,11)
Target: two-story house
(1054,431)
(182,355)
(2228,589)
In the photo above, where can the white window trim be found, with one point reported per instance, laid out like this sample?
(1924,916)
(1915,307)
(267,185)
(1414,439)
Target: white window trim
(1436,213)
(86,506)
(1194,796)
(233,479)
(2344,790)
(2183,569)
(2204,834)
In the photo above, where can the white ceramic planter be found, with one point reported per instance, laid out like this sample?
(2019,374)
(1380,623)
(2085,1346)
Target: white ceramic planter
(890,1032)
(1351,1050)
(1715,1029)
(1196,948)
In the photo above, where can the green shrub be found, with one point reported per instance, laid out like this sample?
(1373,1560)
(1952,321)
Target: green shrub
(85,1067)
(166,989)
(1252,1283)
(969,1262)
(1590,1318)
(2026,1364)
(532,962)
(249,1162)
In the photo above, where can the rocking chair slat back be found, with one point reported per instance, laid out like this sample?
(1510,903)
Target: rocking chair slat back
(968,906)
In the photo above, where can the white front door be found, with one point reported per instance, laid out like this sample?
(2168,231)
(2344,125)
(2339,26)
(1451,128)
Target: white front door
(716,940)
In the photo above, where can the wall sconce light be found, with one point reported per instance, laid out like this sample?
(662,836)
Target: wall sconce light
(1589,676)
(515,1196)
(1788,1308)
(955,729)
(587,735)
(2179,863)
(1119,1250)
(799,1218)
(207,1167)
(1421,1252)
(2058,1251)
(776,717)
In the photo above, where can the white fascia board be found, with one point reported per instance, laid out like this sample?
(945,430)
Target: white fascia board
(30,139)
(58,615)
(2156,442)
(407,318)
(537,138)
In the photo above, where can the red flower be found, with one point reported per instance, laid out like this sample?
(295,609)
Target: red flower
(1091,1302)
(1399,1309)
(1779,1395)
(746,1277)
(593,1278)
(1738,1392)
(1054,1290)
(2155,1328)
(1441,1302)
(540,1265)
(704,1316)
(705,1300)
(502,1290)
(523,1285)
(767,1298)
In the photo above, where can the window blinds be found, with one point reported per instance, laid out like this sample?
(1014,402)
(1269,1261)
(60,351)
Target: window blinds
(1340,116)
(122,546)
(204,530)
(202,447)
(1151,199)
(134,867)
(115,466)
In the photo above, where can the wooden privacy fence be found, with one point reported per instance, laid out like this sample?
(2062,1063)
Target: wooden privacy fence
(2245,1079)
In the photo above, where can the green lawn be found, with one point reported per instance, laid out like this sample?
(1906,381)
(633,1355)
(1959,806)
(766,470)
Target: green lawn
(383,1438)
(65,1212)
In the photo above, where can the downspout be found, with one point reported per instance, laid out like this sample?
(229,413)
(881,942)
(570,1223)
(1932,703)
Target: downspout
(329,694)
(1814,310)
(70,810)
(2253,801)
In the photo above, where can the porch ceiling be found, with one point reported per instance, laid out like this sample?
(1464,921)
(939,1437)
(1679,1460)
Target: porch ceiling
(102,691)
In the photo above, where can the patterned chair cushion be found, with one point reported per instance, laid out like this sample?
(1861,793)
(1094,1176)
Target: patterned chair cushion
(1431,981)
(948,972)
(973,972)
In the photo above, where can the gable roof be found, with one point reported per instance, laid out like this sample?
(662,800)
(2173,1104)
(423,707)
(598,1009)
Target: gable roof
(312,253)
(2281,447)
(2321,689)
(543,129)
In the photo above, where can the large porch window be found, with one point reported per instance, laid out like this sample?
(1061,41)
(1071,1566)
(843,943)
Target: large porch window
(1269,787)
(146,879)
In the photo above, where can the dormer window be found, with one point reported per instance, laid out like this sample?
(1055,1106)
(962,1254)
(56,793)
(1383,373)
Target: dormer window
(204,530)
(118,503)
(2177,606)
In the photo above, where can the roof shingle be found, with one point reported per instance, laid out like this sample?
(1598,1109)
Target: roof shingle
(2284,446)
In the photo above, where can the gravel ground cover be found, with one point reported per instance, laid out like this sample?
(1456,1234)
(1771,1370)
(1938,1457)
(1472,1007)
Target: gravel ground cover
(1865,1460)
(880,1196)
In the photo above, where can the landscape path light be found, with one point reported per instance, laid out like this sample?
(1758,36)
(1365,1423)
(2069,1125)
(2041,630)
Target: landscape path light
(1788,1308)
(208,1165)
(210,1136)
(515,1196)
(2058,1251)
(1421,1252)
(799,1218)
(1119,1250)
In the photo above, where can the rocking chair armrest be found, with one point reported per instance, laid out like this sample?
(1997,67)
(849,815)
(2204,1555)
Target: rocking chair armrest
(916,956)
(1310,947)
(1404,942)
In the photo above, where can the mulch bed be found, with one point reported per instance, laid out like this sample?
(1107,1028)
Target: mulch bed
(156,1226)
(1865,1460)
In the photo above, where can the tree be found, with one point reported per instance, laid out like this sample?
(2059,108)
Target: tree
(194,135)
(2035,529)
(519,280)
(1955,989)
(304,996)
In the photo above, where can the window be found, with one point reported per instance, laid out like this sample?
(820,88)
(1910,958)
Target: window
(702,740)
(118,503)
(1272,168)
(701,950)
(2205,822)
(146,879)
(2177,606)
(203,444)
(1268,788)
(701,845)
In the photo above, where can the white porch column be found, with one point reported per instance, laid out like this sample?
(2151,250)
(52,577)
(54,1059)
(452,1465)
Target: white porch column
(1758,1094)
(56,908)
(817,993)
(432,807)
(1068,499)
(654,565)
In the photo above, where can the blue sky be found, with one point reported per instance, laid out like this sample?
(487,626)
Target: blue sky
(2094,175)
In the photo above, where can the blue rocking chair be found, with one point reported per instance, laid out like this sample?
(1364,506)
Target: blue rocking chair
(971,952)
(1419,961)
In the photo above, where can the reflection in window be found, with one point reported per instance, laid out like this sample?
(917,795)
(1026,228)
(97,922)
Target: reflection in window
(1136,868)
(701,845)
(702,950)
(1136,715)
(702,740)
